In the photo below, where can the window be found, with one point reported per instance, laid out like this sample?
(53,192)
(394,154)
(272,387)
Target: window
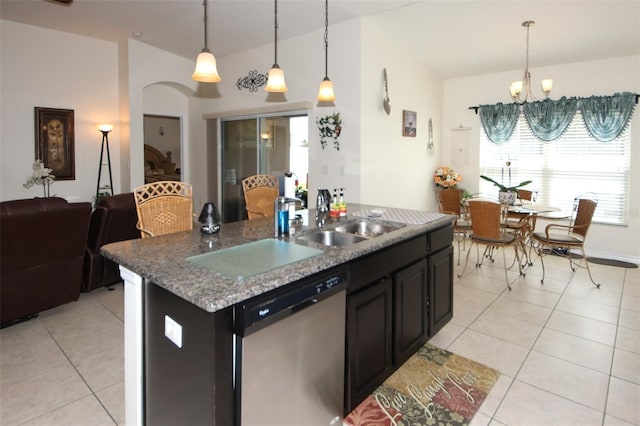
(563,169)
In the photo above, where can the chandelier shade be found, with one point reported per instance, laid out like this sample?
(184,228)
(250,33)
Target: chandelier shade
(275,79)
(206,68)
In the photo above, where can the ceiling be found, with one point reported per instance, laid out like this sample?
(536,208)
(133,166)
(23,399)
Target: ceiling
(454,38)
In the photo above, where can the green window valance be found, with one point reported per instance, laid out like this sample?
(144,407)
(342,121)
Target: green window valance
(605,117)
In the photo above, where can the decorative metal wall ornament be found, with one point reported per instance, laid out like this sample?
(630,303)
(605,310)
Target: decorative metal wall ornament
(252,81)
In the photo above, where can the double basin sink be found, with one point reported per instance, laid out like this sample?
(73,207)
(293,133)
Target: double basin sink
(350,233)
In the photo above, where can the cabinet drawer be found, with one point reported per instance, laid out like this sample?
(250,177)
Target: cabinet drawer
(384,262)
(439,239)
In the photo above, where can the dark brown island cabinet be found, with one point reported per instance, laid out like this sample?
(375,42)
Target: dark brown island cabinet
(397,299)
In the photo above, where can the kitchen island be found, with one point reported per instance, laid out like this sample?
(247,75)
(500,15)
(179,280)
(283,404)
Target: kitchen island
(160,283)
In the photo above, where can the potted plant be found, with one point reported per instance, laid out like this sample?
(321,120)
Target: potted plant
(507,194)
(330,127)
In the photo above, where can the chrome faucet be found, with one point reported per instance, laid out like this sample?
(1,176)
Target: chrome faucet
(321,208)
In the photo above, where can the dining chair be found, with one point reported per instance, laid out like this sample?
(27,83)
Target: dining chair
(450,202)
(561,239)
(260,193)
(487,218)
(164,207)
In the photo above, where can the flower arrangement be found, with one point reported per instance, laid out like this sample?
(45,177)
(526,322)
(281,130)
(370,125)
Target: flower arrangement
(330,127)
(41,176)
(446,177)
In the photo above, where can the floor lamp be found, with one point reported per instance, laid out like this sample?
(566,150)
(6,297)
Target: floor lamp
(105,129)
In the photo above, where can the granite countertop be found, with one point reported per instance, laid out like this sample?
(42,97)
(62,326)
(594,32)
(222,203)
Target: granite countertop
(162,259)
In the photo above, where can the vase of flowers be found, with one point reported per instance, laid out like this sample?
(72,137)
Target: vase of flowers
(329,128)
(445,177)
(41,176)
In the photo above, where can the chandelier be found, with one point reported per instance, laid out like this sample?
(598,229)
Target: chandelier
(523,87)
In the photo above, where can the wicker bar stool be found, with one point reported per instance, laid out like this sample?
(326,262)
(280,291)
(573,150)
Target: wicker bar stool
(260,192)
(164,207)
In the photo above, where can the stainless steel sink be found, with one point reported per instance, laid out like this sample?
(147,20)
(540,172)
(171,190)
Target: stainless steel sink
(332,238)
(366,228)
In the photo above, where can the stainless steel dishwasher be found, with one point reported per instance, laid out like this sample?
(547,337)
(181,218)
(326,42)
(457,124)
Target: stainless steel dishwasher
(290,354)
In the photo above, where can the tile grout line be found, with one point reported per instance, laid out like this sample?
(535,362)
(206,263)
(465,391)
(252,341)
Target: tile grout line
(78,372)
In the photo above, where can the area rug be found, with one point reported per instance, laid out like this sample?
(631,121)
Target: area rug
(434,387)
(611,262)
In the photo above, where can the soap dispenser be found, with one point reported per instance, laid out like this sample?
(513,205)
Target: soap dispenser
(343,203)
(281,217)
(334,209)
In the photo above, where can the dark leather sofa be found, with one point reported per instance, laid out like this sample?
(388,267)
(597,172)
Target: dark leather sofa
(42,242)
(114,219)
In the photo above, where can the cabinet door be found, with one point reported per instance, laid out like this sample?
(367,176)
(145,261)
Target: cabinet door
(411,322)
(368,341)
(440,289)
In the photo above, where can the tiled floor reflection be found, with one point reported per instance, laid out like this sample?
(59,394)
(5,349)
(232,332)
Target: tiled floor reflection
(569,353)
(66,367)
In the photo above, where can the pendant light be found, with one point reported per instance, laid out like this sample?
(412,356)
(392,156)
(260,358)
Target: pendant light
(206,68)
(326,94)
(275,80)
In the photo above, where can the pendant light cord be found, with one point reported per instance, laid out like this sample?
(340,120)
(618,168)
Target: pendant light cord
(206,48)
(326,39)
(275,28)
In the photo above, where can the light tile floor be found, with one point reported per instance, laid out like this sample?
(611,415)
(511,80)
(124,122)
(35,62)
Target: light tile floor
(568,353)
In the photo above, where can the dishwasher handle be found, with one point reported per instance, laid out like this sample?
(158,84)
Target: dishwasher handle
(263,310)
(303,305)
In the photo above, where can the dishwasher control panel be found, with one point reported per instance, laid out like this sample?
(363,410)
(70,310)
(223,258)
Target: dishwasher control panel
(263,310)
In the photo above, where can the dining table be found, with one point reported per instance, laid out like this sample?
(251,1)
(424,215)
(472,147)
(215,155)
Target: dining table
(523,217)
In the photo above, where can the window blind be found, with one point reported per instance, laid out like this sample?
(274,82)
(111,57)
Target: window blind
(574,164)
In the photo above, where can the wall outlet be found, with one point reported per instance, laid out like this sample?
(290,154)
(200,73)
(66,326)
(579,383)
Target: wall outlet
(173,331)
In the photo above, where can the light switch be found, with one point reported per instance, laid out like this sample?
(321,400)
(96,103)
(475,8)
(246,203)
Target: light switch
(173,331)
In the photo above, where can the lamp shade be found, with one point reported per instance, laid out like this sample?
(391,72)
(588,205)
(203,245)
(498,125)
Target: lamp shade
(516,88)
(275,80)
(206,68)
(326,94)
(546,85)
(105,127)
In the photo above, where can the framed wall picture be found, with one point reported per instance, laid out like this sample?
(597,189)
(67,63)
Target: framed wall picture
(409,123)
(54,141)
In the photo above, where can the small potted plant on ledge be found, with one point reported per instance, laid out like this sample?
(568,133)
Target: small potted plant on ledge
(507,194)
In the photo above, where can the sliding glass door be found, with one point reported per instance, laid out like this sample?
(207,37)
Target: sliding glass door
(257,145)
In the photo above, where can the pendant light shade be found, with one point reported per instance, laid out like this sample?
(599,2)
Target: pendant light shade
(275,80)
(206,68)
(326,93)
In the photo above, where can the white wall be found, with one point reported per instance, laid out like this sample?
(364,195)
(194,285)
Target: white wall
(603,77)
(54,69)
(397,170)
